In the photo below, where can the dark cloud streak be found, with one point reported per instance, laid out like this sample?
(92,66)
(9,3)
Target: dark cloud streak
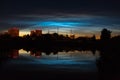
(94,7)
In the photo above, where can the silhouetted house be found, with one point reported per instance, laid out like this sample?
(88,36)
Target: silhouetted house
(36,33)
(32,32)
(4,36)
(14,32)
(105,34)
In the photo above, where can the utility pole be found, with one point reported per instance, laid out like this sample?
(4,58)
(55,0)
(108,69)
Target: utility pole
(57,30)
(48,31)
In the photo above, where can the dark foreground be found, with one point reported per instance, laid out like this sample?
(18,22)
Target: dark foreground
(15,69)
(24,73)
(30,72)
(46,75)
(42,72)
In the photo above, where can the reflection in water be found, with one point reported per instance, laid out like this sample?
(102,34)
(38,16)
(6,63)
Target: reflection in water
(108,65)
(14,53)
(9,53)
(73,61)
(37,54)
(70,54)
(32,53)
(58,57)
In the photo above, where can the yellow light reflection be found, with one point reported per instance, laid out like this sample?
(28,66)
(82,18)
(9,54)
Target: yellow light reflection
(21,51)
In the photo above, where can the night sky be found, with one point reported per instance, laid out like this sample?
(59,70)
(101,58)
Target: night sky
(83,17)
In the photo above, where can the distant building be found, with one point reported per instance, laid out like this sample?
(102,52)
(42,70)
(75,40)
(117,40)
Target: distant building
(14,32)
(4,33)
(32,32)
(36,32)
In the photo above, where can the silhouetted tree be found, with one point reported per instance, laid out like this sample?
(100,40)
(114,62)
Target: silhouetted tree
(93,38)
(105,34)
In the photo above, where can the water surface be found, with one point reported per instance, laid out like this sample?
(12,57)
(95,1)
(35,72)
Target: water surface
(77,63)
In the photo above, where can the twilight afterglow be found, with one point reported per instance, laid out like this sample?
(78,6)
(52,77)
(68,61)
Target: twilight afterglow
(83,19)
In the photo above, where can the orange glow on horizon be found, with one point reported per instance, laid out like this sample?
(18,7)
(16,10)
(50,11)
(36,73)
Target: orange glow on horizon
(24,33)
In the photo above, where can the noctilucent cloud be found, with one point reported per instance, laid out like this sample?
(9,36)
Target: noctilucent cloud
(84,25)
(82,17)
